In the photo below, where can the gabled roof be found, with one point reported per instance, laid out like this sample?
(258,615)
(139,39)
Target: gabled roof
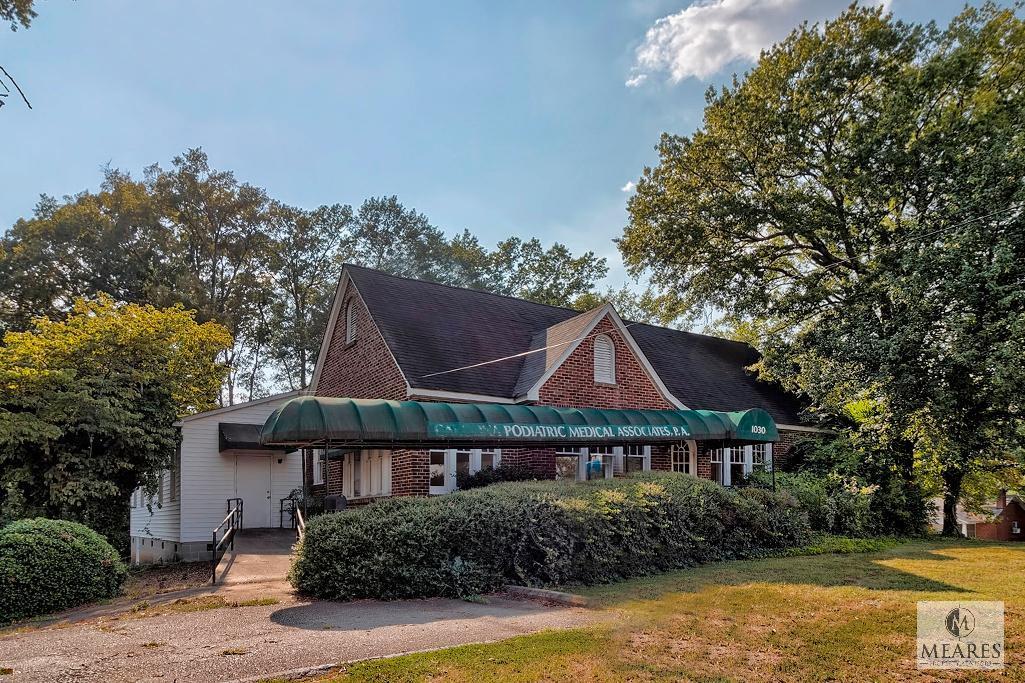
(551,344)
(431,328)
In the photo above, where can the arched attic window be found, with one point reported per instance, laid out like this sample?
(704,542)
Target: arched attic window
(350,321)
(604,360)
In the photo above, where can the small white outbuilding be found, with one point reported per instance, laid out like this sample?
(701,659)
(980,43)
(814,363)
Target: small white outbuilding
(220,458)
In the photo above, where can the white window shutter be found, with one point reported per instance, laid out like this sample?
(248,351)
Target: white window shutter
(350,322)
(604,360)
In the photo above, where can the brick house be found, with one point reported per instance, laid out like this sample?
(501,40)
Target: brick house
(1005,522)
(406,340)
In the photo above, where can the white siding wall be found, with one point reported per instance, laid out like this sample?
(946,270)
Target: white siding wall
(208,478)
(156,520)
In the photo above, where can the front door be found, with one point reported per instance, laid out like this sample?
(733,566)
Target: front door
(252,485)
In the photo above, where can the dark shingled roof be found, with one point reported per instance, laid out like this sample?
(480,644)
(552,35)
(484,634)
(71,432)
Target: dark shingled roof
(431,327)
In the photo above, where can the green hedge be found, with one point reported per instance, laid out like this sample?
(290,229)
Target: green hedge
(539,534)
(844,506)
(48,565)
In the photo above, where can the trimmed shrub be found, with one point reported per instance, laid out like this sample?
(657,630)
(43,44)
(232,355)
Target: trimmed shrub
(539,534)
(48,565)
(494,475)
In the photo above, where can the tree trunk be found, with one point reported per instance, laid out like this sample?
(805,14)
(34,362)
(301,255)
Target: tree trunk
(951,493)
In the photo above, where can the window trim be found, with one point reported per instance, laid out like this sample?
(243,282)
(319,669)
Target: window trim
(370,459)
(176,473)
(608,377)
(318,466)
(449,463)
(690,461)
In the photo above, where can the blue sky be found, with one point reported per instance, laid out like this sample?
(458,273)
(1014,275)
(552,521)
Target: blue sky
(500,117)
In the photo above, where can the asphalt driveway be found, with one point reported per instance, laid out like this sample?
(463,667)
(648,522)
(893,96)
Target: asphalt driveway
(239,642)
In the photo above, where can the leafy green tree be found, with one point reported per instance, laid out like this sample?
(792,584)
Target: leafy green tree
(553,276)
(87,406)
(195,235)
(112,241)
(306,261)
(387,236)
(631,305)
(220,226)
(860,192)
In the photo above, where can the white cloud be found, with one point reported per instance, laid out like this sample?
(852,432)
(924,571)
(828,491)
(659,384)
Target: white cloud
(636,80)
(629,187)
(709,34)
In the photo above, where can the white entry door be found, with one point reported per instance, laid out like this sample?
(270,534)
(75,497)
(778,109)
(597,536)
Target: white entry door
(252,485)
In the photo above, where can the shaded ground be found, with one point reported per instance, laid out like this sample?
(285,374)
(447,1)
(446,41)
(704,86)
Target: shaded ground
(147,581)
(826,617)
(235,634)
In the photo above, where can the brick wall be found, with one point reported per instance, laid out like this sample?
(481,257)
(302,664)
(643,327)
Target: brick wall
(1000,530)
(364,368)
(540,460)
(787,440)
(410,472)
(573,385)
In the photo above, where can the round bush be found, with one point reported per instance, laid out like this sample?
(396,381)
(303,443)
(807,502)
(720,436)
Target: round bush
(48,565)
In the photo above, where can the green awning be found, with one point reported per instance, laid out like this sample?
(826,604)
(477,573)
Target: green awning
(314,420)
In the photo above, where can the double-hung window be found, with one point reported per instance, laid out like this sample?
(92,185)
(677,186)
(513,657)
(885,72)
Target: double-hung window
(319,466)
(636,458)
(737,466)
(761,457)
(568,463)
(601,462)
(445,466)
(488,459)
(715,458)
(366,473)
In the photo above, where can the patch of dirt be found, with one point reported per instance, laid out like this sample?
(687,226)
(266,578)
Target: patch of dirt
(166,578)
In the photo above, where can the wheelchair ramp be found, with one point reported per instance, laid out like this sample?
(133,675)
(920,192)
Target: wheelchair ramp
(260,555)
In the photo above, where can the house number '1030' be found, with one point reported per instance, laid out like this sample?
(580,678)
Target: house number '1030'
(757,429)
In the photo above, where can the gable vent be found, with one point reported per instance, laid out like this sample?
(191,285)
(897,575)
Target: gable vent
(604,360)
(350,322)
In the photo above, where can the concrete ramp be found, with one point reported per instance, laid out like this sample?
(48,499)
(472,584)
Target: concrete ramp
(260,555)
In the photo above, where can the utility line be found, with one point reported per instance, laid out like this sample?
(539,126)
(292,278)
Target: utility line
(524,353)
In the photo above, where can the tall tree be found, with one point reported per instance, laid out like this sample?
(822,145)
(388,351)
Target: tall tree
(551,276)
(221,230)
(87,406)
(112,241)
(387,236)
(861,190)
(305,260)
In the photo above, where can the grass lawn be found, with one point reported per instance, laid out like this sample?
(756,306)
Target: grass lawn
(823,617)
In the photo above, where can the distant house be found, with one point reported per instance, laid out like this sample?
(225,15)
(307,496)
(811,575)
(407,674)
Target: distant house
(220,458)
(1003,522)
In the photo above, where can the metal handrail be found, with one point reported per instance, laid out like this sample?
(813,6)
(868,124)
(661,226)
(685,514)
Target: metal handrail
(231,524)
(300,524)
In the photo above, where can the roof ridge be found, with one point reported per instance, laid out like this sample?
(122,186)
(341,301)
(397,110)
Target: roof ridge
(629,323)
(457,287)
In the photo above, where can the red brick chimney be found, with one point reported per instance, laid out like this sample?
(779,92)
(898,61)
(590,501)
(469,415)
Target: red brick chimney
(1002,499)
